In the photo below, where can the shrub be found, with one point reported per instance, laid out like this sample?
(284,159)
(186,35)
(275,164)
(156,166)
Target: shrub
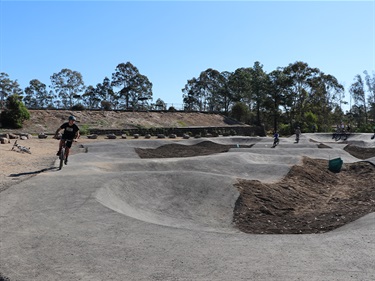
(15,113)
(78,106)
(284,129)
(106,105)
(84,129)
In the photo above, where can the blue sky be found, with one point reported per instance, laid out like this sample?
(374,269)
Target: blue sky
(173,41)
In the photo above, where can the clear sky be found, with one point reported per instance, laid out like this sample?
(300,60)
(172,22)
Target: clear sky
(173,41)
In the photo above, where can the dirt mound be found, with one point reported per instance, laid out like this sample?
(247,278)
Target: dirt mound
(179,150)
(310,199)
(360,152)
(49,120)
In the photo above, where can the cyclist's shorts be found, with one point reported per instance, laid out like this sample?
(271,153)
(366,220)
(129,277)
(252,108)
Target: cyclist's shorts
(69,143)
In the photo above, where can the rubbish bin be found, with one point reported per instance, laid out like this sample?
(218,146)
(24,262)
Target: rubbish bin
(335,165)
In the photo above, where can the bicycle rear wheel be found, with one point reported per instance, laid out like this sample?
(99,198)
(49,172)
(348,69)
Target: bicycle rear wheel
(61,157)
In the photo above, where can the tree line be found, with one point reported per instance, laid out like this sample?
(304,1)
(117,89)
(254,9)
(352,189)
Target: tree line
(295,95)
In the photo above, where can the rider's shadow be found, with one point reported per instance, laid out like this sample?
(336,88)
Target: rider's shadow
(33,173)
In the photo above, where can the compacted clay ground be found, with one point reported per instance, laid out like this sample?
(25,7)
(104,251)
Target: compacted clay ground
(310,199)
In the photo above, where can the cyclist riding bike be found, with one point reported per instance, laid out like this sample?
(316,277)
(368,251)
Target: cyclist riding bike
(71,132)
(275,138)
(298,134)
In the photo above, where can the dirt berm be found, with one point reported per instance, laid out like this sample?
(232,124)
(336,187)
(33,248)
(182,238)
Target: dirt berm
(47,121)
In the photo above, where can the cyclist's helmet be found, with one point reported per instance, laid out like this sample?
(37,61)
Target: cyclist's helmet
(71,117)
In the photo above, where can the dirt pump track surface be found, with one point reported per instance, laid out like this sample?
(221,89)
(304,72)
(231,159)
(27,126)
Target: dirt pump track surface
(76,235)
(310,199)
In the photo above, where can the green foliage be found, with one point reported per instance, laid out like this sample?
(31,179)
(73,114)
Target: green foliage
(67,84)
(365,128)
(284,129)
(37,96)
(294,94)
(134,87)
(310,123)
(8,87)
(239,112)
(181,123)
(15,113)
(84,129)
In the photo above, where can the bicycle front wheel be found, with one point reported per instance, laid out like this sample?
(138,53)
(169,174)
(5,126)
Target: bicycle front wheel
(61,157)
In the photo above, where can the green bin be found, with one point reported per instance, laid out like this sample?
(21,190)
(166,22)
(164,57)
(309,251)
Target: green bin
(335,165)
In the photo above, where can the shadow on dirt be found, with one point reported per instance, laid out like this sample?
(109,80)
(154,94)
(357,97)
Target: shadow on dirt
(32,173)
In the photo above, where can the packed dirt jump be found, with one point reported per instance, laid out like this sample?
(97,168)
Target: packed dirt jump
(225,208)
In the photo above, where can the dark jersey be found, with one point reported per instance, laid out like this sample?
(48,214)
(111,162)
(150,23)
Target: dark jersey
(69,131)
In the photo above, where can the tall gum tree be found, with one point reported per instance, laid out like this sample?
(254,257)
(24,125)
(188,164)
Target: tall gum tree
(301,76)
(36,95)
(370,82)
(67,85)
(135,87)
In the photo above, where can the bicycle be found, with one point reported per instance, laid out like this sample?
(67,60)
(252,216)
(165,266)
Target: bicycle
(275,142)
(20,148)
(297,138)
(62,154)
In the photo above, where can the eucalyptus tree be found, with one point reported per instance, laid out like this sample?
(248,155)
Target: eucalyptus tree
(135,87)
(90,98)
(325,100)
(225,94)
(8,87)
(210,83)
(359,109)
(301,76)
(142,93)
(239,84)
(240,112)
(36,95)
(105,94)
(67,84)
(370,82)
(192,97)
(278,85)
(160,104)
(258,88)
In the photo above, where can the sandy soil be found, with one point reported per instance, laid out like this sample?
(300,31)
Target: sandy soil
(310,199)
(17,165)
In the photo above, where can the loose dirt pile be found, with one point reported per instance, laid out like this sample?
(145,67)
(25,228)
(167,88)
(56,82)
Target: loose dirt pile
(310,199)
